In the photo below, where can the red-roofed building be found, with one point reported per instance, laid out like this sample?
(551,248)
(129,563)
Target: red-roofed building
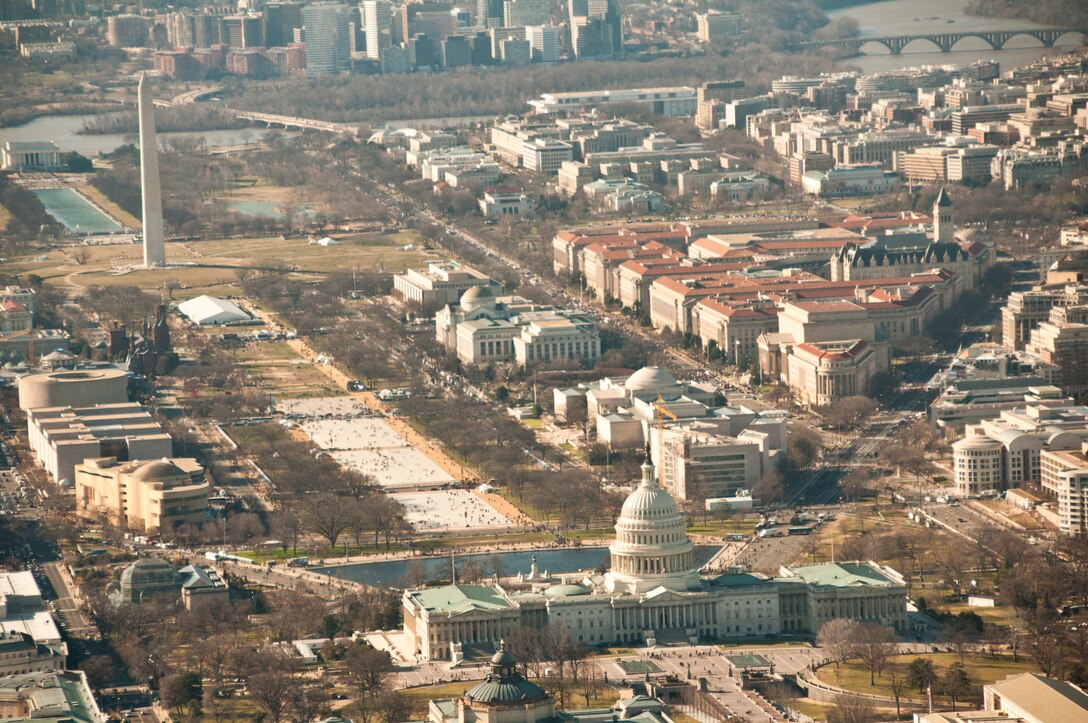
(567,245)
(601,263)
(825,372)
(734,328)
(14,317)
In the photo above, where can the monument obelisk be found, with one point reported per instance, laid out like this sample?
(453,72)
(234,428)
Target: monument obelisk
(154,248)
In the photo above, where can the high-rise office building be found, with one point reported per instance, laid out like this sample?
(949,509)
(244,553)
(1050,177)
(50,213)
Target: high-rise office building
(518,13)
(481,48)
(438,24)
(715,26)
(328,38)
(205,30)
(489,14)
(515,51)
(456,52)
(423,51)
(500,34)
(280,22)
(378,21)
(462,17)
(180,30)
(544,42)
(241,31)
(596,29)
(127,31)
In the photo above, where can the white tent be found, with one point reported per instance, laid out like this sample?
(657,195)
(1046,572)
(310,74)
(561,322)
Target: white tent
(206,310)
(327,241)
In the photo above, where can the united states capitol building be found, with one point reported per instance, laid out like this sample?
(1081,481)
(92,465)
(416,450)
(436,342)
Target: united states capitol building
(652,595)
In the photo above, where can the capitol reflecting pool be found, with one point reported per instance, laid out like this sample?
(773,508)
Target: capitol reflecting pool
(395,573)
(72,210)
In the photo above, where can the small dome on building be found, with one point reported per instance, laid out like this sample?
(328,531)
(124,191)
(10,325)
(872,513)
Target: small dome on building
(649,378)
(568,590)
(476,297)
(502,657)
(159,469)
(58,355)
(979,443)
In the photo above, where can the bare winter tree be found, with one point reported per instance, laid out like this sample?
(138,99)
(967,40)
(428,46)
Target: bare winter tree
(272,683)
(836,637)
(873,643)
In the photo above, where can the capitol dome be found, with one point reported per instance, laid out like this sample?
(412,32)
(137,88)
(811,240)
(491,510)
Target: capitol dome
(477,297)
(649,378)
(651,548)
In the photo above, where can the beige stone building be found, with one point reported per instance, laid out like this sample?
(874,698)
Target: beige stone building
(1062,340)
(442,282)
(63,437)
(484,328)
(1005,452)
(1024,698)
(143,495)
(1025,310)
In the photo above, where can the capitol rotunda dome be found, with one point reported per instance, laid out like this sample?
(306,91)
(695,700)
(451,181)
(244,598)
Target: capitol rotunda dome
(651,548)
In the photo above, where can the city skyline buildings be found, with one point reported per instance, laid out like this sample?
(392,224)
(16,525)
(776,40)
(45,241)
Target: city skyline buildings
(377,21)
(596,29)
(327,27)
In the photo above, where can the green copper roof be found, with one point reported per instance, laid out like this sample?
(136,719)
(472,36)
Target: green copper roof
(738,579)
(505,690)
(460,598)
(568,590)
(841,574)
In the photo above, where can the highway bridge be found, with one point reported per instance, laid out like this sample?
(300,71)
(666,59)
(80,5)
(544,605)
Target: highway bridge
(189,96)
(945,42)
(291,122)
(192,96)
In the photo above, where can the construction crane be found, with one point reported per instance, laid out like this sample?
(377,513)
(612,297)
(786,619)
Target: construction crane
(661,411)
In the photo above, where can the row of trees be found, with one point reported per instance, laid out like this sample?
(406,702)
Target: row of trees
(197,659)
(873,644)
(196,180)
(503,90)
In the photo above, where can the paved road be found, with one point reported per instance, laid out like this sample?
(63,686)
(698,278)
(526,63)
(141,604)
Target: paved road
(67,605)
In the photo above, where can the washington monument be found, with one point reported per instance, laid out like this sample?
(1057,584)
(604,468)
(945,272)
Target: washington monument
(154,248)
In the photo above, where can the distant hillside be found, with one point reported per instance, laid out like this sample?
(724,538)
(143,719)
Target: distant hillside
(1063,13)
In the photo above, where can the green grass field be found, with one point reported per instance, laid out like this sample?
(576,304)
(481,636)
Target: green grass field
(212,266)
(982,670)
